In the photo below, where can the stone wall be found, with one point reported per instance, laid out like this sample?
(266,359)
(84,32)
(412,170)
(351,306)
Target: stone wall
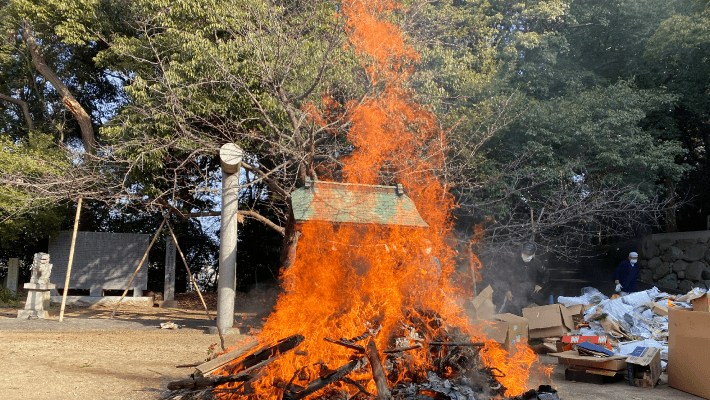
(676,260)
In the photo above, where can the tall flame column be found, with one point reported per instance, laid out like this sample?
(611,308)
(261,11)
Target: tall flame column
(230,157)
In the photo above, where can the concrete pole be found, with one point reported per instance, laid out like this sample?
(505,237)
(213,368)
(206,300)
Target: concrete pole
(230,156)
(169,282)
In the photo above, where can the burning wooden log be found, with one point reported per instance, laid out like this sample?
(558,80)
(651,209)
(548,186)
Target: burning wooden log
(357,385)
(378,373)
(241,370)
(216,380)
(218,362)
(347,344)
(326,380)
(267,352)
(402,349)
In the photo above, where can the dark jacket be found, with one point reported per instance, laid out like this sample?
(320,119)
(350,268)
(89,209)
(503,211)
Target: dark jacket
(519,278)
(627,275)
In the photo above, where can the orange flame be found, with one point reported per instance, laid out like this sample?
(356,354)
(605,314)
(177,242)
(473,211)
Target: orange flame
(350,278)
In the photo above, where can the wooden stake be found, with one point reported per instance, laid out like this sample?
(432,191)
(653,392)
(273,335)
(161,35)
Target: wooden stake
(71,259)
(188,272)
(219,330)
(140,264)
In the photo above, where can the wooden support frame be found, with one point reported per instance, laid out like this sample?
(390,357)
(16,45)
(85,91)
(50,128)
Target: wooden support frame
(140,264)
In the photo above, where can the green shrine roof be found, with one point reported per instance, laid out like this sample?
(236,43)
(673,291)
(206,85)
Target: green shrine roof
(353,203)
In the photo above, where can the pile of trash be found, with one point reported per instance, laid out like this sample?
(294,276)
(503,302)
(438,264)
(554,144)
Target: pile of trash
(637,319)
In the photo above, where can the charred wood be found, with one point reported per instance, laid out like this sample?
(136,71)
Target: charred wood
(359,338)
(402,349)
(357,385)
(265,353)
(378,373)
(324,381)
(197,383)
(220,361)
(349,345)
(241,371)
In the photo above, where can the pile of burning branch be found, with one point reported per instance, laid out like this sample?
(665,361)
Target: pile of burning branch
(456,372)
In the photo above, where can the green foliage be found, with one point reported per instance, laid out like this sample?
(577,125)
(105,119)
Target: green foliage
(688,30)
(193,89)
(21,214)
(9,297)
(599,131)
(532,95)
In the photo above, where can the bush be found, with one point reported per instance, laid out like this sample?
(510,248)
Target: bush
(9,297)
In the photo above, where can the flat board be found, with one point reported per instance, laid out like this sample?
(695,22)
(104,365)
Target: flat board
(101,260)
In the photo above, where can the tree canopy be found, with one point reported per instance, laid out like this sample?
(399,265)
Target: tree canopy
(560,117)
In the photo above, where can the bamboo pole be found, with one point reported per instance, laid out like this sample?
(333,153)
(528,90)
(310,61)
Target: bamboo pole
(71,259)
(192,279)
(140,264)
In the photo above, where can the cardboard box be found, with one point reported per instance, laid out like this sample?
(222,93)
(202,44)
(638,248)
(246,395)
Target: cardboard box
(577,312)
(568,341)
(482,305)
(576,309)
(702,303)
(659,309)
(548,321)
(579,309)
(643,367)
(613,363)
(689,351)
(506,329)
(516,332)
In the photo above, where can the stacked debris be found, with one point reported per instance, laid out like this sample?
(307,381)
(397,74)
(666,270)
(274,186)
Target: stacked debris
(456,371)
(598,336)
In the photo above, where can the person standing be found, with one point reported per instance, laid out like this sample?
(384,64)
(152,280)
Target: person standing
(627,275)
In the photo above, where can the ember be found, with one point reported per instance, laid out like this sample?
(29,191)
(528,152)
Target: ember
(396,283)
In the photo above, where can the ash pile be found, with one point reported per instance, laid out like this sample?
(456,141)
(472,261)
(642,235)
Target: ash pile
(455,371)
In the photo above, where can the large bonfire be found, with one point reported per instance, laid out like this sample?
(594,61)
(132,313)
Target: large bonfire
(395,281)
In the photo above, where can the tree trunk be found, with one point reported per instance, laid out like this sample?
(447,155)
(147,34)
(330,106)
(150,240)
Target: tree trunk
(87,131)
(290,243)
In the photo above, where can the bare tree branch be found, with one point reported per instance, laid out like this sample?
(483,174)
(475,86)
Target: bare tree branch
(25,109)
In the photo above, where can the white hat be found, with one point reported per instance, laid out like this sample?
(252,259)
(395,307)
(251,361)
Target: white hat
(633,254)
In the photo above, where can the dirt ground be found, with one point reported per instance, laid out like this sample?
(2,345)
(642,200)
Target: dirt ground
(89,356)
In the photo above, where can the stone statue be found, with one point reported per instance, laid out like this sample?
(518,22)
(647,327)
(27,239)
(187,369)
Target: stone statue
(38,289)
(41,269)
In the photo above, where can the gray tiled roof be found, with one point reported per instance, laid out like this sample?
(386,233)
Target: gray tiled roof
(353,203)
